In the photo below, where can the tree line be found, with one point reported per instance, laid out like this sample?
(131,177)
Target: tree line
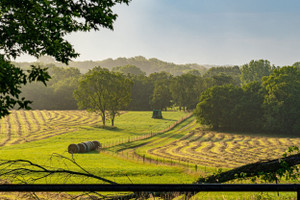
(149,66)
(159,90)
(254,97)
(267,100)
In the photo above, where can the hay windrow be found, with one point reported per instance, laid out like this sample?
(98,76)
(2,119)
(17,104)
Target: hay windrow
(24,126)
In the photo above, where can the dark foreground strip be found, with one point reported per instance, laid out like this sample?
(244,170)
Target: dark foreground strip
(149,187)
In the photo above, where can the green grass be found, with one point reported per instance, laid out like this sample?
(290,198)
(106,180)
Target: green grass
(244,195)
(109,166)
(129,125)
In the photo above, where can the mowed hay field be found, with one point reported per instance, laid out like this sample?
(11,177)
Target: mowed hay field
(215,149)
(194,147)
(138,150)
(24,126)
(40,139)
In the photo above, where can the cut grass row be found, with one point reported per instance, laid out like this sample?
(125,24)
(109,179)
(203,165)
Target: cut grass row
(23,126)
(216,149)
(184,143)
(106,165)
(188,143)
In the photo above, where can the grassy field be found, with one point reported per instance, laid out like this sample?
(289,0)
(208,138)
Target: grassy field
(190,145)
(138,150)
(131,125)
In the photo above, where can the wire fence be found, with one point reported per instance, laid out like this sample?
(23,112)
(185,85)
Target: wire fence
(141,137)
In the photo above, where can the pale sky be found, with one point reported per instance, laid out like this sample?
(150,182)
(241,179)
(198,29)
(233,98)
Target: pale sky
(222,32)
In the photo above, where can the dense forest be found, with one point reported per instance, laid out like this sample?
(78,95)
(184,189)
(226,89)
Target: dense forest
(268,100)
(254,97)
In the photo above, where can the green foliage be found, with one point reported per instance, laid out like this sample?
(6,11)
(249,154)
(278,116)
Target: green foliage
(250,112)
(161,97)
(271,106)
(222,79)
(59,93)
(102,91)
(141,92)
(39,27)
(255,70)
(230,107)
(297,65)
(194,72)
(285,171)
(110,166)
(282,102)
(129,70)
(11,80)
(217,106)
(224,75)
(149,66)
(186,90)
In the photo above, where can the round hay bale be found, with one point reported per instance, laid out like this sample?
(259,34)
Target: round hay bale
(86,147)
(73,148)
(82,147)
(90,146)
(97,144)
(93,146)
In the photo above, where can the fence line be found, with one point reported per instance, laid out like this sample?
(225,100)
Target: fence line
(192,167)
(145,136)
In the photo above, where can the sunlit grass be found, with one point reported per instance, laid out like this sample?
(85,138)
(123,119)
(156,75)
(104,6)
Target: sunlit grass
(112,167)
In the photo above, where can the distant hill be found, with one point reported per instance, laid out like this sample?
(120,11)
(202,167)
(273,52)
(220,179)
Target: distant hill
(147,65)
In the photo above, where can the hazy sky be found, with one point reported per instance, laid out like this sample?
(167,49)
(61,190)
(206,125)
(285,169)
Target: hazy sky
(199,31)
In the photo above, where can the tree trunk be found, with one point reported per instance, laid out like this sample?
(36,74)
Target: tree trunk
(113,120)
(103,118)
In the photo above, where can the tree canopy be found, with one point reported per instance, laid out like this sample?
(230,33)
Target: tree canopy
(58,95)
(39,28)
(129,70)
(255,70)
(11,81)
(104,93)
(270,105)
(282,102)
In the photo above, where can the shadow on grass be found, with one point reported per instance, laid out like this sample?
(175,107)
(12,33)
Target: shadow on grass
(91,152)
(109,128)
(114,128)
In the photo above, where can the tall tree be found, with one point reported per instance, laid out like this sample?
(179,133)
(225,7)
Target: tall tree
(186,90)
(255,70)
(217,107)
(222,74)
(249,109)
(142,91)
(161,96)
(103,92)
(39,28)
(282,102)
(297,65)
(222,79)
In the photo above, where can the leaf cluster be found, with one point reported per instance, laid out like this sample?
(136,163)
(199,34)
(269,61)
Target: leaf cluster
(11,80)
(270,105)
(39,27)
